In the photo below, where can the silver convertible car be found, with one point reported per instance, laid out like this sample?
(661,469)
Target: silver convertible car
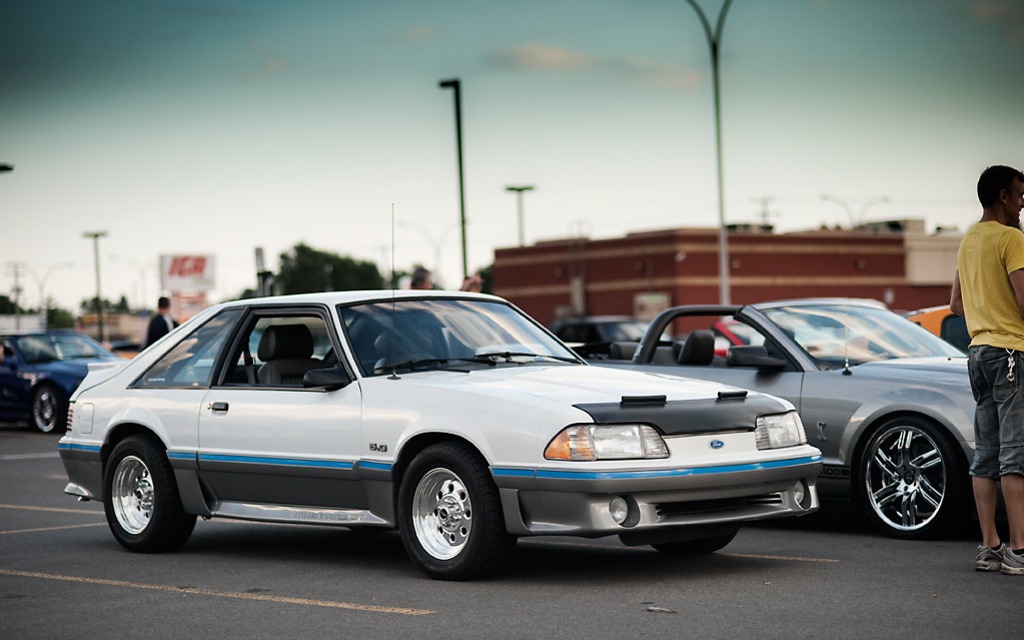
(453,417)
(888,403)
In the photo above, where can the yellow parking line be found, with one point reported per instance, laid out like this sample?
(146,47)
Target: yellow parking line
(220,594)
(25,507)
(69,526)
(790,558)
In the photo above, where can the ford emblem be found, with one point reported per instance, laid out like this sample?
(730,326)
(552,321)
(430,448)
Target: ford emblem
(716,444)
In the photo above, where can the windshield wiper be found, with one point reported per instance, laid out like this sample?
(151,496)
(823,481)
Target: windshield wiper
(423,363)
(508,355)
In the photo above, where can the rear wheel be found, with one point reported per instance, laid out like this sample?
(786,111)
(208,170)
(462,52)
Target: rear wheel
(450,515)
(142,504)
(913,479)
(49,409)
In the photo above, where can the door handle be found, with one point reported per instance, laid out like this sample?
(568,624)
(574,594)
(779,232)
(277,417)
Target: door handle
(219,407)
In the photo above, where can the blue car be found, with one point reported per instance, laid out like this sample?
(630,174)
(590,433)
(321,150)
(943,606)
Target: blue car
(39,372)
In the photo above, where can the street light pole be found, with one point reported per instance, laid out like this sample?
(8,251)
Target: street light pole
(519,209)
(858,219)
(41,283)
(714,42)
(143,301)
(95,236)
(456,86)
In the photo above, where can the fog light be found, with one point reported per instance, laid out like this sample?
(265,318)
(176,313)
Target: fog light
(800,493)
(619,510)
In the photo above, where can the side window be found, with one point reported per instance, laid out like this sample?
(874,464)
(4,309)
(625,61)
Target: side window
(190,363)
(278,351)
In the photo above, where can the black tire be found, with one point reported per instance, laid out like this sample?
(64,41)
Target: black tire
(49,408)
(450,516)
(912,480)
(698,547)
(142,503)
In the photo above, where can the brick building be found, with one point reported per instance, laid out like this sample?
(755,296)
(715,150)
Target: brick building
(641,273)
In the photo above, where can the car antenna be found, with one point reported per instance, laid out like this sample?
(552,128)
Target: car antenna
(391,340)
(846,354)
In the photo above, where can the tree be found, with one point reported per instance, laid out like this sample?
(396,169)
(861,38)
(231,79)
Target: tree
(307,270)
(7,306)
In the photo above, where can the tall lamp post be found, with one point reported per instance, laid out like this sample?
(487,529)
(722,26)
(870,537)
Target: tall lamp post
(95,236)
(143,301)
(519,209)
(437,245)
(858,219)
(714,42)
(41,283)
(455,85)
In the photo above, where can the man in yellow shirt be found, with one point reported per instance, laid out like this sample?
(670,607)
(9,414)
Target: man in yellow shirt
(988,291)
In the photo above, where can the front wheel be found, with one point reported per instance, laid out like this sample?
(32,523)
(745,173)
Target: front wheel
(142,505)
(913,479)
(49,409)
(450,515)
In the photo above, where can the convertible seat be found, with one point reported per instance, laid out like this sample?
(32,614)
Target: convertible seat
(287,353)
(699,348)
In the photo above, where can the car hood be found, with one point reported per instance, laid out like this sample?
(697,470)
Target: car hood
(574,385)
(935,370)
(71,368)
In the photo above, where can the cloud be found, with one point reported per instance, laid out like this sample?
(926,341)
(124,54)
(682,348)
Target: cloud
(547,58)
(1007,14)
(417,33)
(540,57)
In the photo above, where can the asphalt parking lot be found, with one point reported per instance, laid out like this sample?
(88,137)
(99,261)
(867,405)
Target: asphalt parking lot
(62,575)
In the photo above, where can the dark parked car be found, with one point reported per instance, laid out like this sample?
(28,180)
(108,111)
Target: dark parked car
(39,372)
(594,329)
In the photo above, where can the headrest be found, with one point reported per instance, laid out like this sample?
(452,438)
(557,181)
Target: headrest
(698,349)
(285,341)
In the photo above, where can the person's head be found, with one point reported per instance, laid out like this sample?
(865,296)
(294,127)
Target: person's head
(1001,190)
(421,279)
(163,305)
(472,283)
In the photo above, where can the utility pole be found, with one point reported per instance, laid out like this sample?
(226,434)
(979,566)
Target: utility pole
(95,237)
(456,86)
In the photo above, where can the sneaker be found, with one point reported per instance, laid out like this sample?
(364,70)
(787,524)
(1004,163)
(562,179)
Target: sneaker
(990,559)
(1013,564)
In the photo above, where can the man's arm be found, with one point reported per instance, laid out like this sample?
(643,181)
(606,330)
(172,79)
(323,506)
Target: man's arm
(1017,281)
(956,299)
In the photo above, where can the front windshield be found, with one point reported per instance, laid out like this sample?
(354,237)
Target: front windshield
(37,349)
(837,334)
(414,334)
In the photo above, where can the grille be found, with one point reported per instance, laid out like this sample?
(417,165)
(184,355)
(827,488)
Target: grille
(670,509)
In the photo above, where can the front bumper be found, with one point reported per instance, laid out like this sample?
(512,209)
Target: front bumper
(578,503)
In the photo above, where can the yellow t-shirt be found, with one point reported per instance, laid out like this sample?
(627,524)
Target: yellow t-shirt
(989,252)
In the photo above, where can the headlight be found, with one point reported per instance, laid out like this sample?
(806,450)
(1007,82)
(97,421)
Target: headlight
(590,442)
(780,430)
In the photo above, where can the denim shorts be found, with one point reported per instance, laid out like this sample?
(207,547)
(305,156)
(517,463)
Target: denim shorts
(999,417)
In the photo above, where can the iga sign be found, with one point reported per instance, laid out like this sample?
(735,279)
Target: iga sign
(187,273)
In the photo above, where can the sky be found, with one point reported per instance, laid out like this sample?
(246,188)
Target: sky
(220,126)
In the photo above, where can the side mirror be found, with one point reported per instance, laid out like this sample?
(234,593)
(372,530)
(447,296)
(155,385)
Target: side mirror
(329,379)
(754,356)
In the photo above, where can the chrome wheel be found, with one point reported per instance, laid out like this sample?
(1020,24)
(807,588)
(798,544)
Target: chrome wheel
(45,409)
(132,495)
(905,477)
(442,514)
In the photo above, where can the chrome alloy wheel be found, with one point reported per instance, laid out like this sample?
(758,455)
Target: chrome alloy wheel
(442,514)
(132,495)
(44,410)
(905,477)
